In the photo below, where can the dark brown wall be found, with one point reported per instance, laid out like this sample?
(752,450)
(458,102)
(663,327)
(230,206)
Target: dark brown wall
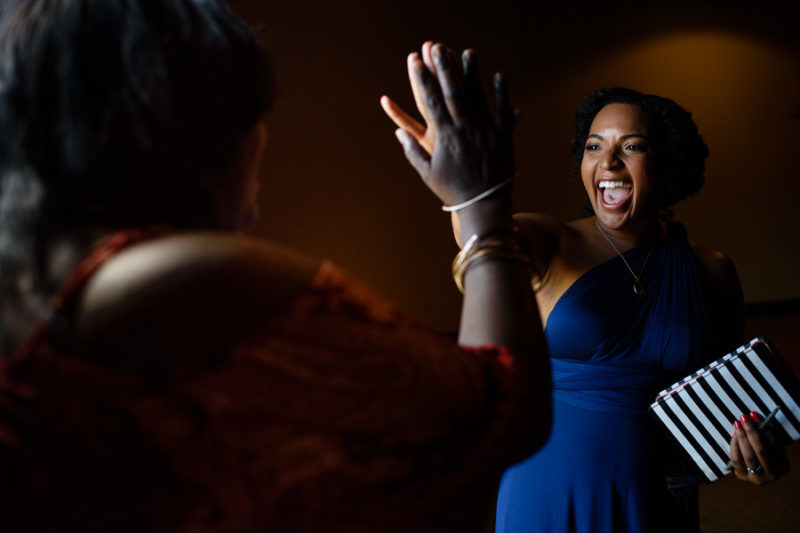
(336,182)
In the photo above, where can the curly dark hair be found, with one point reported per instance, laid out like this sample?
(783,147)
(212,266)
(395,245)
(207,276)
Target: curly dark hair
(680,150)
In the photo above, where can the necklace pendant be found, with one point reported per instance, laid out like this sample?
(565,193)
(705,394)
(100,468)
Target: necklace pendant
(638,287)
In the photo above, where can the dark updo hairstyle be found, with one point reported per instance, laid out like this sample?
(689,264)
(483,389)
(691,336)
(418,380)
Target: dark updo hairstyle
(118,106)
(118,113)
(680,152)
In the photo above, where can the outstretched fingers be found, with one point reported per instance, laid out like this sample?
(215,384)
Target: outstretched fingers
(427,56)
(414,80)
(474,96)
(460,152)
(415,153)
(402,119)
(431,95)
(504,115)
(451,81)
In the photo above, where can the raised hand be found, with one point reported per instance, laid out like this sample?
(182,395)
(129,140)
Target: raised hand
(755,454)
(420,132)
(472,149)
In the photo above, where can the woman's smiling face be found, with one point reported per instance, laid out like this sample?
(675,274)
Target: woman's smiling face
(618,168)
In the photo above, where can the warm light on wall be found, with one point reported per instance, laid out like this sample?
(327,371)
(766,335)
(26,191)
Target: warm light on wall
(715,71)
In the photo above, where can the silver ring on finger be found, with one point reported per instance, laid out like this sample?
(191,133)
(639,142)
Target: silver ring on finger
(754,469)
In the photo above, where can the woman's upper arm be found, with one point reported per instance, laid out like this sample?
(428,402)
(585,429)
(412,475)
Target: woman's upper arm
(724,298)
(187,292)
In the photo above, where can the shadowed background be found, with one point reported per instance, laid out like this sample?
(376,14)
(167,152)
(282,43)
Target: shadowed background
(335,181)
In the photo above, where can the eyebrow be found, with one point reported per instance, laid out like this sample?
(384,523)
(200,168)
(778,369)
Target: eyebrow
(628,136)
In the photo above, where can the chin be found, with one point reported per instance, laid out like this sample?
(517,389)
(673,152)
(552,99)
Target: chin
(612,222)
(614,219)
(610,217)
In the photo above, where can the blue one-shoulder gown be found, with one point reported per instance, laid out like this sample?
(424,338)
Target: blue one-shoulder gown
(604,466)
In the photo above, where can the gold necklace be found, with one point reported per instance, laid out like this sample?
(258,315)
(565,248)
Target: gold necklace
(638,286)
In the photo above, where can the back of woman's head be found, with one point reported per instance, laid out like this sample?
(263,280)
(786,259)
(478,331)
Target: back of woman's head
(119,107)
(114,113)
(680,151)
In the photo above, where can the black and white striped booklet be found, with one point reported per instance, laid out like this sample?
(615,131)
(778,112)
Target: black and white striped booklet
(699,410)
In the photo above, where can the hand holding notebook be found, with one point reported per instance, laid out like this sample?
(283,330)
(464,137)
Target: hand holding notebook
(698,411)
(758,454)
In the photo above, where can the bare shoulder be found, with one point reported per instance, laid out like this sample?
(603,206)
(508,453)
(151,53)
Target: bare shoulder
(542,230)
(724,298)
(543,236)
(200,282)
(538,222)
(715,266)
(209,261)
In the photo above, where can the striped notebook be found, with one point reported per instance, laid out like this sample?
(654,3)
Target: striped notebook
(699,410)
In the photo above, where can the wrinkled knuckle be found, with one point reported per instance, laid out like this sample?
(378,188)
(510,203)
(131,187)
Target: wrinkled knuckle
(432,101)
(450,141)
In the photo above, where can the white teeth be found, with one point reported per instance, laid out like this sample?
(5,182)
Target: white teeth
(614,185)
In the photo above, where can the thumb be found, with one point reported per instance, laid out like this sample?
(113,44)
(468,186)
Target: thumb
(415,153)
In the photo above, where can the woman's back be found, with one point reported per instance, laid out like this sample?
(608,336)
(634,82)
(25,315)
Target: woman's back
(330,410)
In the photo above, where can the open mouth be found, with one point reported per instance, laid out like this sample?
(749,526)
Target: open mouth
(614,194)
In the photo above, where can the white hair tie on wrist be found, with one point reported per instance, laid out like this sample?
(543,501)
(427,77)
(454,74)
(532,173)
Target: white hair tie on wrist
(478,198)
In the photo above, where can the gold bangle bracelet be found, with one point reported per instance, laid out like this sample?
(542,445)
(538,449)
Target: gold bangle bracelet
(501,244)
(465,254)
(505,237)
(504,253)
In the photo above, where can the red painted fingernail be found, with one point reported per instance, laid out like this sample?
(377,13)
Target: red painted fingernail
(744,419)
(737,425)
(754,416)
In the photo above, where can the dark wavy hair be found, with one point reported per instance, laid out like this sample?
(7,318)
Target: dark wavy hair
(680,151)
(117,113)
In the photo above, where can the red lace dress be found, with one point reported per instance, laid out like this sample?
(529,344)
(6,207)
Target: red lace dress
(341,414)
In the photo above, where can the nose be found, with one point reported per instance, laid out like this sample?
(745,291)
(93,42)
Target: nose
(610,159)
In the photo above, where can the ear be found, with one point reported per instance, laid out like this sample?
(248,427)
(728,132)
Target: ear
(253,149)
(235,190)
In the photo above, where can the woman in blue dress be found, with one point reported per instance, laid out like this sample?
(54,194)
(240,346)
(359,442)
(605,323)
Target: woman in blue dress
(628,305)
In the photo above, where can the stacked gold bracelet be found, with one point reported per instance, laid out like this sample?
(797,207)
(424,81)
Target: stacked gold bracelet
(479,248)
